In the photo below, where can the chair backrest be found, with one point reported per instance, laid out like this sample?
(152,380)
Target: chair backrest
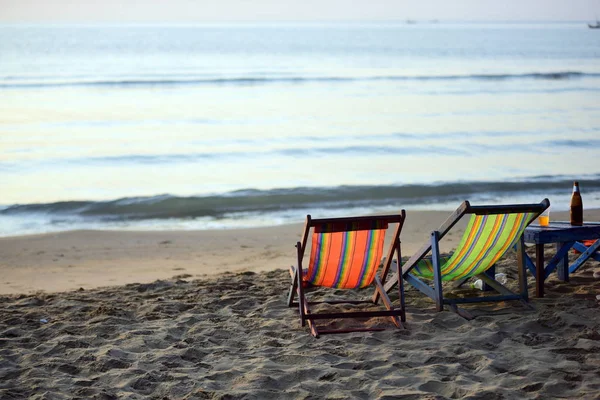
(345,252)
(486,239)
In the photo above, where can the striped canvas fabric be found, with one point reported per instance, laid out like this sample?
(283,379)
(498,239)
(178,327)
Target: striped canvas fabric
(486,239)
(346,255)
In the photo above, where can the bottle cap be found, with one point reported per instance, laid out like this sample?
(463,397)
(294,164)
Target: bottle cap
(576,183)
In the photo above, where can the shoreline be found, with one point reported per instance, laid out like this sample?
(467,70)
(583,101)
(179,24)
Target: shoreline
(56,262)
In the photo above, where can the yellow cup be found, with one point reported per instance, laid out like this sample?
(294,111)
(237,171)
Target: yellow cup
(544,218)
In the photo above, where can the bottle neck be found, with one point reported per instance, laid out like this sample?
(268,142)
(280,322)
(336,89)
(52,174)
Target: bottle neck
(575,188)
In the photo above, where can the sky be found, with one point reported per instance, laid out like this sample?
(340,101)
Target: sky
(191,11)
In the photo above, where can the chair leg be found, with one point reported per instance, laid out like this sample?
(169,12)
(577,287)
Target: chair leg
(460,282)
(522,269)
(301,300)
(401,295)
(437,271)
(400,282)
(293,286)
(388,303)
(462,312)
(491,273)
(384,274)
(313,329)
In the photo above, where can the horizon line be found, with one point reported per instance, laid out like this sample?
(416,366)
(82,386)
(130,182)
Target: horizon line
(406,21)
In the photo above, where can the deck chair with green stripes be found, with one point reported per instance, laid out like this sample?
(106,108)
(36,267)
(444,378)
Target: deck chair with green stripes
(490,232)
(346,253)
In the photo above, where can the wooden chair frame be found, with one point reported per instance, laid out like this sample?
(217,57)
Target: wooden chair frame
(397,315)
(436,292)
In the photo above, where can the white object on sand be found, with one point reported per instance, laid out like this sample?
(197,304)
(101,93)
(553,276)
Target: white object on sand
(478,284)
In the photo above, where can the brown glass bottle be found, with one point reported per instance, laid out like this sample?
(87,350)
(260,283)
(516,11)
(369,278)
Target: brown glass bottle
(576,206)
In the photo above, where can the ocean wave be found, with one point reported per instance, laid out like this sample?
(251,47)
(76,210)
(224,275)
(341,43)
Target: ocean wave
(409,146)
(300,198)
(23,82)
(198,157)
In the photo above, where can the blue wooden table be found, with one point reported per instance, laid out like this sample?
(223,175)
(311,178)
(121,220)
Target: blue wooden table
(565,236)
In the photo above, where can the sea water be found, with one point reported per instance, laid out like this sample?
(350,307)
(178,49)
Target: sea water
(240,125)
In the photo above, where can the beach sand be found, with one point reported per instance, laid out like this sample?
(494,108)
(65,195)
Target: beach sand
(89,259)
(216,325)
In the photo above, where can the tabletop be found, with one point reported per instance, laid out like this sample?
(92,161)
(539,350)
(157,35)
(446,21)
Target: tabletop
(561,231)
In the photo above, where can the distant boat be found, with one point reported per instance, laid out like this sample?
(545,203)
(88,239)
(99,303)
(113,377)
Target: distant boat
(597,26)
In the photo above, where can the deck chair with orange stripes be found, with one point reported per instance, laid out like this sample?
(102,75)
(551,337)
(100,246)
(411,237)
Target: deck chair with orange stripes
(490,232)
(346,254)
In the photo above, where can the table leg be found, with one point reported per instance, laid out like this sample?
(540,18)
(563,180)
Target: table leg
(521,257)
(562,269)
(579,246)
(539,270)
(584,256)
